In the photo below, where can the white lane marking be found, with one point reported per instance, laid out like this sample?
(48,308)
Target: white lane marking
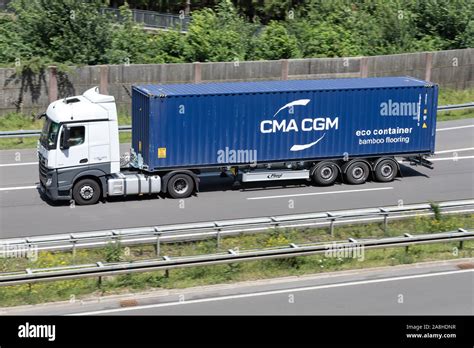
(455,150)
(453,128)
(322,193)
(18,188)
(274,292)
(18,164)
(454,159)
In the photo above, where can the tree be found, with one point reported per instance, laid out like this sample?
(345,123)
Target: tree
(274,42)
(324,40)
(220,35)
(130,44)
(65,31)
(170,47)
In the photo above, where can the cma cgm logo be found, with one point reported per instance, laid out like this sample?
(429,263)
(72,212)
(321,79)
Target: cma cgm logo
(305,125)
(391,108)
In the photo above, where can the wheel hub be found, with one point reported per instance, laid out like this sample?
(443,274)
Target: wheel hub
(386,170)
(180,186)
(86,192)
(358,172)
(326,173)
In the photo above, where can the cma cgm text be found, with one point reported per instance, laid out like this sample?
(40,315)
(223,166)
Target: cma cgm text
(306,125)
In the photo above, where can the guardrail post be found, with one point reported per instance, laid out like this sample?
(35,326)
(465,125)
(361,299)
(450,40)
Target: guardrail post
(385,220)
(158,244)
(218,239)
(408,235)
(73,251)
(99,280)
(331,226)
(461,243)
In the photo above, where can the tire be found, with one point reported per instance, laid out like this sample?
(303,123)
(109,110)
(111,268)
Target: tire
(357,173)
(386,170)
(86,192)
(325,173)
(180,186)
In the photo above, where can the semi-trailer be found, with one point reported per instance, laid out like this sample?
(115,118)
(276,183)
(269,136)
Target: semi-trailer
(351,130)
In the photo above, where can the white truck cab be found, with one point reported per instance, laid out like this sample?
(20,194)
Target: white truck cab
(79,143)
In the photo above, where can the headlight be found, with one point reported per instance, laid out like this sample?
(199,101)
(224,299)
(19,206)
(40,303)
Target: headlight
(49,182)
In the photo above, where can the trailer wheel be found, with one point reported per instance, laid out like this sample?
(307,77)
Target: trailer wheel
(86,192)
(357,173)
(385,170)
(180,186)
(325,173)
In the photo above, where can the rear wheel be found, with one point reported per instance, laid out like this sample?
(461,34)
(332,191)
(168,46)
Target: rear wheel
(180,186)
(385,170)
(357,173)
(325,173)
(86,192)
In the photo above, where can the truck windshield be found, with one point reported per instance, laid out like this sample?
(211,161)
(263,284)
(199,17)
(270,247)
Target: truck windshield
(49,134)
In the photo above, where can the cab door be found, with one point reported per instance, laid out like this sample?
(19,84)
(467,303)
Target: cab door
(77,153)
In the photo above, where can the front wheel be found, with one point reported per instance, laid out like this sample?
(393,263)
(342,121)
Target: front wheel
(86,192)
(180,186)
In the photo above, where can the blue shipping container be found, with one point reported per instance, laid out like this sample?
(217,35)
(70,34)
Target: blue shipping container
(217,124)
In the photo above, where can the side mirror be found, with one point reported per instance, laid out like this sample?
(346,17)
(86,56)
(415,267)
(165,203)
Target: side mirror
(65,138)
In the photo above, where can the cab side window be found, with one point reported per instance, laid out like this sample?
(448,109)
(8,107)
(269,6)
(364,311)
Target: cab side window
(77,135)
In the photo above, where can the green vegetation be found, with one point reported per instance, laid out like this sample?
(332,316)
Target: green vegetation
(69,32)
(451,96)
(188,277)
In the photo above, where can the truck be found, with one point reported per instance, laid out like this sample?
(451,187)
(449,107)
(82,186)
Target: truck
(349,130)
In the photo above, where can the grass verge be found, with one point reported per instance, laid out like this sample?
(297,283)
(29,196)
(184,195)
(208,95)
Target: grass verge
(196,276)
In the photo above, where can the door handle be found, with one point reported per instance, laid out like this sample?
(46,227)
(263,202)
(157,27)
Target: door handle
(84,160)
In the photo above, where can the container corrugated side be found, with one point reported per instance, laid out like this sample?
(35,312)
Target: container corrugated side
(218,130)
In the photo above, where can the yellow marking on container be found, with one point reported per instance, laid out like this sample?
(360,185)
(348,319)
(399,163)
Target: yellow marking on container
(424,125)
(140,146)
(162,152)
(425,111)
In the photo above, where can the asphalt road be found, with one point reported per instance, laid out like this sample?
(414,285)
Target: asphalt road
(24,213)
(436,288)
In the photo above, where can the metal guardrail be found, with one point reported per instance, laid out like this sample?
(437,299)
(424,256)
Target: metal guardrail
(152,19)
(128,128)
(100,269)
(223,228)
(456,107)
